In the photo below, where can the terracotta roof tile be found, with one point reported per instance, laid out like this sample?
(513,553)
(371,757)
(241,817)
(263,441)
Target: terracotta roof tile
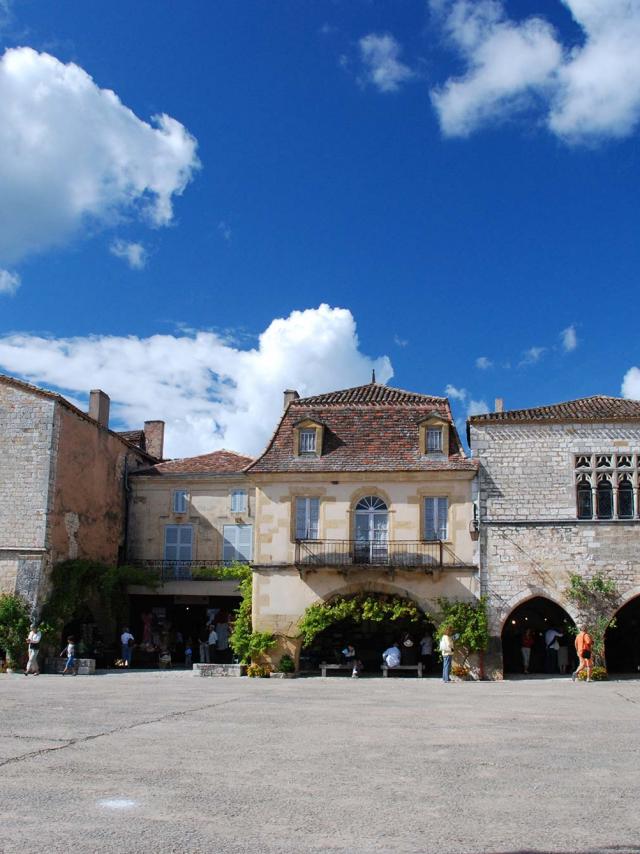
(367,428)
(217,462)
(599,407)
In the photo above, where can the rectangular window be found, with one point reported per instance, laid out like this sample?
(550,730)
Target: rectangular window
(237,542)
(239,501)
(436,512)
(180,498)
(307,518)
(434,440)
(308,441)
(178,542)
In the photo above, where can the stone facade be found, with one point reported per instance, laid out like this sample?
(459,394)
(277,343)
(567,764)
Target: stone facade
(62,477)
(530,536)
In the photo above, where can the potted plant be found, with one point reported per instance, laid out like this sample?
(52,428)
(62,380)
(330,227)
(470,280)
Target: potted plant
(286,668)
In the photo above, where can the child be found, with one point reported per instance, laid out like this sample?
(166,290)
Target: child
(188,653)
(70,652)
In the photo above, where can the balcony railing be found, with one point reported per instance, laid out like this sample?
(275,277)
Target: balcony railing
(185,570)
(391,553)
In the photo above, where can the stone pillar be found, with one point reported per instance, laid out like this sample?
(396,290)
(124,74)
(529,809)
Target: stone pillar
(154,438)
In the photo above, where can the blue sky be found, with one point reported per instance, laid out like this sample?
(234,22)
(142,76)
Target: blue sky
(459,178)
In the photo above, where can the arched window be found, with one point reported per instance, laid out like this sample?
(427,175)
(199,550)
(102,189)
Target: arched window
(625,498)
(585,499)
(604,498)
(372,530)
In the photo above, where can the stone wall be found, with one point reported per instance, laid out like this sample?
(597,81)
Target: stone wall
(531,540)
(26,439)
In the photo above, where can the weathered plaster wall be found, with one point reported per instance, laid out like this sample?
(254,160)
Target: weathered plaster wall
(530,538)
(208,510)
(88,511)
(403,492)
(27,437)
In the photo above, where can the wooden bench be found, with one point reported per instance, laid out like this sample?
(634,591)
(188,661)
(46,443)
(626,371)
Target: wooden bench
(324,667)
(417,667)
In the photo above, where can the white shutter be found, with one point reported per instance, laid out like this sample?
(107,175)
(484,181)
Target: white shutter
(313,517)
(185,542)
(238,542)
(238,501)
(301,518)
(443,515)
(180,501)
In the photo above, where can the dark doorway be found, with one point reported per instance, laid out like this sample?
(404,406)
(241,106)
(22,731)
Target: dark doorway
(622,642)
(370,640)
(537,616)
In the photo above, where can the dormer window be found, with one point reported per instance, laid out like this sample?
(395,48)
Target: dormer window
(434,436)
(434,440)
(307,441)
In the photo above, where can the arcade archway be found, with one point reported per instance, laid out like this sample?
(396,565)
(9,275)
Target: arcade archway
(622,641)
(536,616)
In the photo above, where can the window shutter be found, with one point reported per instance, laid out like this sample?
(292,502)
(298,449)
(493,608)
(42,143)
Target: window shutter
(313,530)
(237,542)
(443,512)
(301,518)
(245,541)
(429,518)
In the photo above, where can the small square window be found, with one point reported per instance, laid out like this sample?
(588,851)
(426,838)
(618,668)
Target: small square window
(180,498)
(308,441)
(434,440)
(239,501)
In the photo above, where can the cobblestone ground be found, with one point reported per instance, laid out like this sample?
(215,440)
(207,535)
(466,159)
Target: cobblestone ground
(150,762)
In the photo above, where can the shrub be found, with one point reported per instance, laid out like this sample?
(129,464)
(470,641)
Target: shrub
(259,671)
(246,643)
(469,621)
(14,627)
(598,674)
(370,608)
(595,598)
(286,664)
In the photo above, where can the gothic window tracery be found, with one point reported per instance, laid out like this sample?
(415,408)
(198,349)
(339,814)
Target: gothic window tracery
(607,486)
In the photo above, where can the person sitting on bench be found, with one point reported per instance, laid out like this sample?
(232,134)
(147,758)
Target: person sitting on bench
(349,657)
(391,656)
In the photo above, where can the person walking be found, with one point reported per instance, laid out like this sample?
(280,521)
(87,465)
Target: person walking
(212,641)
(446,651)
(551,649)
(203,643)
(528,640)
(584,648)
(127,640)
(70,652)
(33,641)
(426,651)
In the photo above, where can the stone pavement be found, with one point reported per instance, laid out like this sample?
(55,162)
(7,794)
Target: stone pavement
(163,762)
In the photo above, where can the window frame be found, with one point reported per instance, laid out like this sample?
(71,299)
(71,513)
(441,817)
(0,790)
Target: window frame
(175,506)
(307,433)
(226,544)
(180,543)
(437,528)
(433,430)
(309,525)
(244,504)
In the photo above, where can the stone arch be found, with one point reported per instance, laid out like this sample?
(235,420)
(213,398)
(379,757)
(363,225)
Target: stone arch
(622,641)
(528,617)
(502,614)
(385,587)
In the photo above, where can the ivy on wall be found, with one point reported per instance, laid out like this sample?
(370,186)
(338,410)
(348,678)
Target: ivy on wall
(467,620)
(595,599)
(243,640)
(379,608)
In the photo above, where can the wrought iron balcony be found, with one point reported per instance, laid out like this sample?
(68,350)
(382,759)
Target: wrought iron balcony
(186,570)
(433,554)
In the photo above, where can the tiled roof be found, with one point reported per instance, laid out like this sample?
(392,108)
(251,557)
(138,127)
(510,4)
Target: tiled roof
(367,428)
(218,462)
(599,407)
(374,394)
(136,437)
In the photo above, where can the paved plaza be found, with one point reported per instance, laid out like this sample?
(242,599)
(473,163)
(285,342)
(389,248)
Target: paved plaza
(164,762)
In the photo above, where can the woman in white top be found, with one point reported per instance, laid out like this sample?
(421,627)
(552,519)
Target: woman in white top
(446,651)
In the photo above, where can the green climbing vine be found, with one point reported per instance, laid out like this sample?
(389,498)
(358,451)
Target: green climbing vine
(595,598)
(467,620)
(244,641)
(374,608)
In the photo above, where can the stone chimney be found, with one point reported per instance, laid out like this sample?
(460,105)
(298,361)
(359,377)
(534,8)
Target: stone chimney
(498,405)
(99,407)
(289,396)
(154,438)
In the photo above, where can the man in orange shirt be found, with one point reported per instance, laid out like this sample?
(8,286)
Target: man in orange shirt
(584,647)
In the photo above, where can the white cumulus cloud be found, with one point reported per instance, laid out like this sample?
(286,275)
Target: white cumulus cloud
(211,393)
(382,67)
(455,393)
(73,154)
(631,384)
(477,407)
(133,253)
(569,339)
(483,363)
(586,91)
(9,282)
(533,355)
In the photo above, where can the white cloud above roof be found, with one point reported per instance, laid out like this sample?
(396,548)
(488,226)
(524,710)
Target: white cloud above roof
(211,393)
(73,156)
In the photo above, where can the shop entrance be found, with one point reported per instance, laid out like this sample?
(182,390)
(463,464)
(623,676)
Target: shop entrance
(622,642)
(175,623)
(528,624)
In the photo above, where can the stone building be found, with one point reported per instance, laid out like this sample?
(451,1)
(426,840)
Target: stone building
(63,477)
(366,489)
(558,494)
(187,517)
